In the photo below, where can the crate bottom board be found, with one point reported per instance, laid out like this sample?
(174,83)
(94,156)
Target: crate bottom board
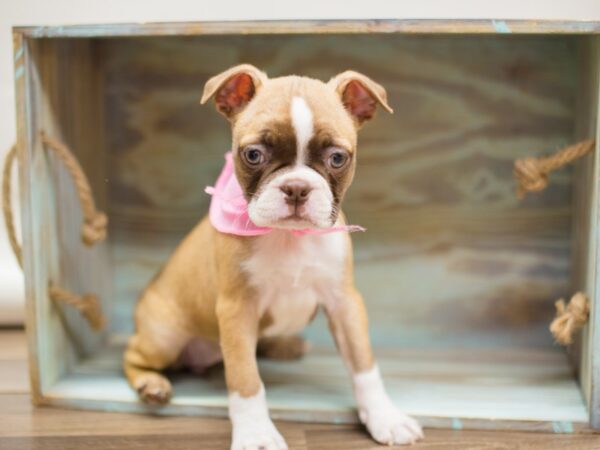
(498,389)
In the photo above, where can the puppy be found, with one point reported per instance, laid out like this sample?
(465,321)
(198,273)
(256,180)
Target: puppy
(272,250)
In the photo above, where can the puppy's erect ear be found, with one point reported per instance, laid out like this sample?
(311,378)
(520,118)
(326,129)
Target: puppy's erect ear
(360,95)
(234,88)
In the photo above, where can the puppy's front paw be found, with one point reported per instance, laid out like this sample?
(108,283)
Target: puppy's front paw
(388,425)
(260,434)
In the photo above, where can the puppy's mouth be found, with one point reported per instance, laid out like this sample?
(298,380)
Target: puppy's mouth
(296,221)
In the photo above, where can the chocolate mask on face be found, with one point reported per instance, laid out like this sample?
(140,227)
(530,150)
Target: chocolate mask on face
(229,209)
(294,141)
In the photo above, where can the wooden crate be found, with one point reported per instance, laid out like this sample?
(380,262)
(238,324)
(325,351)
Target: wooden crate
(459,276)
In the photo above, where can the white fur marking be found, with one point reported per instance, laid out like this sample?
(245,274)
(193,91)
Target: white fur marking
(268,207)
(294,274)
(252,427)
(386,423)
(302,121)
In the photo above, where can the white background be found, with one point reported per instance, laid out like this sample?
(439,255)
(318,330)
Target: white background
(63,12)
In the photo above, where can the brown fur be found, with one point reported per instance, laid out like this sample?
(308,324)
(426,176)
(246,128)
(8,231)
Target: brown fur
(203,291)
(282,347)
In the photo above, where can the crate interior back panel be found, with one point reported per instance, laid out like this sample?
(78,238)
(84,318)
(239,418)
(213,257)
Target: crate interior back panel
(458,275)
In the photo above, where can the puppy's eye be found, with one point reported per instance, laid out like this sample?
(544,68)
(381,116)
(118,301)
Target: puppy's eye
(337,159)
(254,155)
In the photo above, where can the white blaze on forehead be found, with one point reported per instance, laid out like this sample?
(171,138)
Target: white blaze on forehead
(302,121)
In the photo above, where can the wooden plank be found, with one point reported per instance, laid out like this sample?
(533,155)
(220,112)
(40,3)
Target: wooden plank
(529,390)
(434,184)
(354,439)
(50,429)
(25,426)
(585,223)
(59,75)
(593,331)
(408,26)
(25,144)
(325,439)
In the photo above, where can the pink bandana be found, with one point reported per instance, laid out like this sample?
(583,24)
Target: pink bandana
(229,209)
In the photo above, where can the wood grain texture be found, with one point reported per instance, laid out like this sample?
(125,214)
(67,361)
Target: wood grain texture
(585,220)
(518,390)
(61,96)
(591,367)
(21,63)
(406,26)
(452,267)
(25,427)
(448,246)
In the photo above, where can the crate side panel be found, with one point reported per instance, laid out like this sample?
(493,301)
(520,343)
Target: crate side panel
(450,257)
(585,185)
(60,89)
(24,145)
(50,347)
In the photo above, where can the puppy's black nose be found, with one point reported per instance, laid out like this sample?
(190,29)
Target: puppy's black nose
(296,192)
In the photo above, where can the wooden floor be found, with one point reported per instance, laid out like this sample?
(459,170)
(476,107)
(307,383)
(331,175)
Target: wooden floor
(25,427)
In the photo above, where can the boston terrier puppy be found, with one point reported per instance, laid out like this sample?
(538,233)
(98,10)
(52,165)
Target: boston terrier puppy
(272,250)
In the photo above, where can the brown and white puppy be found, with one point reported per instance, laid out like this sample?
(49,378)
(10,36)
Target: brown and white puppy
(294,150)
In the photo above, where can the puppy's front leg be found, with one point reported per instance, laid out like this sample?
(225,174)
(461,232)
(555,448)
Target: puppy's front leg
(349,326)
(248,411)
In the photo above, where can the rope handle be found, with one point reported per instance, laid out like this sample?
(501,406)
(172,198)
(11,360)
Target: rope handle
(569,318)
(532,173)
(94,224)
(93,229)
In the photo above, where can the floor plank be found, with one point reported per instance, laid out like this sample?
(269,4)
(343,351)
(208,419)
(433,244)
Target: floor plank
(24,427)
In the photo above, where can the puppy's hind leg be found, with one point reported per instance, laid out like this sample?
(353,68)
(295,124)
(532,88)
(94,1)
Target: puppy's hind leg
(155,346)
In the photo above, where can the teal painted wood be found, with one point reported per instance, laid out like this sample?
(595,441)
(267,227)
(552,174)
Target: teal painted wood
(594,252)
(426,26)
(447,239)
(54,76)
(64,380)
(24,144)
(527,390)
(584,270)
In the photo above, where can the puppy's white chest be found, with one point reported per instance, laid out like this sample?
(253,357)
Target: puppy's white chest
(293,274)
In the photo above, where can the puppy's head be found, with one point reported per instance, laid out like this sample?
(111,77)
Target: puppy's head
(294,140)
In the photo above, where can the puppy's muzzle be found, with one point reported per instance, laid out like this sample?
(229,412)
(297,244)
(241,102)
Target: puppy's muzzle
(296,192)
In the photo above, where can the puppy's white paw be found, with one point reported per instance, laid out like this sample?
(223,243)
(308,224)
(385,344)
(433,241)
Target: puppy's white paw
(252,426)
(388,425)
(259,435)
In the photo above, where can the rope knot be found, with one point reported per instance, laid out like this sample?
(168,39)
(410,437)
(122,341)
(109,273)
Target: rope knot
(530,175)
(92,311)
(87,304)
(569,318)
(94,229)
